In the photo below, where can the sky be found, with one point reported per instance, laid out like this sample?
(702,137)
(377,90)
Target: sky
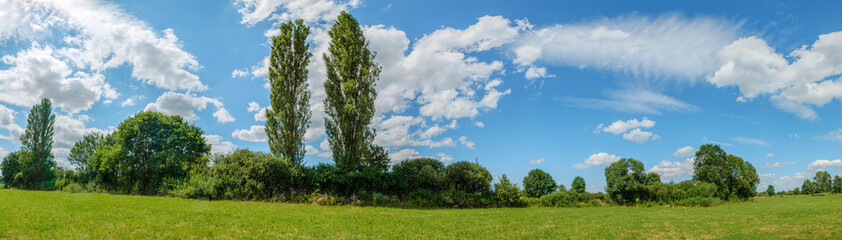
(563,86)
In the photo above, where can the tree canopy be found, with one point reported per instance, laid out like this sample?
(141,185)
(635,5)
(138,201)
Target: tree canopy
(538,183)
(734,178)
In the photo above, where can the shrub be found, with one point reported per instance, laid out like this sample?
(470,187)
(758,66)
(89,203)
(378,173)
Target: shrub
(559,199)
(419,173)
(507,193)
(468,177)
(537,183)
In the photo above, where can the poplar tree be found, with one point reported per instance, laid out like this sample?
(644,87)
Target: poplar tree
(288,118)
(349,105)
(37,140)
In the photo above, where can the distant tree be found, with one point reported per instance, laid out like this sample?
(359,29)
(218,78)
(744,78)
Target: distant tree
(809,187)
(561,187)
(11,167)
(796,191)
(627,182)
(507,193)
(288,118)
(823,181)
(419,174)
(83,150)
(537,183)
(349,105)
(837,184)
(770,190)
(734,178)
(468,177)
(578,184)
(158,147)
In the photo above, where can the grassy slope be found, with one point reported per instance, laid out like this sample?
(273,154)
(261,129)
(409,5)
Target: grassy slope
(59,215)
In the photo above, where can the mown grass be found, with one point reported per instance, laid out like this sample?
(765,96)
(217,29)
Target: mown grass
(60,215)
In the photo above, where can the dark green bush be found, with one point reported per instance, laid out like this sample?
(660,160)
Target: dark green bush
(559,199)
(468,177)
(537,183)
(417,174)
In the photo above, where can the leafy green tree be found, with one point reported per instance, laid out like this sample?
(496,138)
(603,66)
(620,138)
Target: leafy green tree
(538,183)
(770,190)
(83,150)
(627,182)
(809,187)
(561,187)
(734,178)
(11,167)
(507,193)
(37,139)
(578,184)
(288,118)
(417,174)
(157,147)
(468,177)
(823,181)
(837,184)
(351,77)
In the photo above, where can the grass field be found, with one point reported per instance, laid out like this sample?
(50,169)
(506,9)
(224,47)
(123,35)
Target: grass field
(60,215)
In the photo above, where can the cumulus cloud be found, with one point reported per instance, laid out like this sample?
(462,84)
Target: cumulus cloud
(253,107)
(770,155)
(599,159)
(256,133)
(674,169)
(3,153)
(254,11)
(468,143)
(186,105)
(218,145)
(750,141)
(68,130)
(668,46)
(635,135)
(801,175)
(403,154)
(794,86)
(835,135)
(823,163)
(685,151)
(238,73)
(396,132)
(7,121)
(445,158)
(766,175)
(779,164)
(128,102)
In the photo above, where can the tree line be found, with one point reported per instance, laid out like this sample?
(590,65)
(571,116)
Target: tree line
(154,154)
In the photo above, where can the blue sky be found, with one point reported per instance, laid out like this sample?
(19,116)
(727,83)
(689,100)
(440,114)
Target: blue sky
(567,87)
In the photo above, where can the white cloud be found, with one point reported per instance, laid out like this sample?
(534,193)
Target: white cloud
(444,157)
(599,159)
(536,161)
(479,124)
(68,130)
(779,164)
(766,175)
(835,135)
(685,151)
(770,155)
(254,11)
(257,133)
(127,102)
(801,175)
(395,132)
(218,145)
(403,154)
(253,107)
(237,73)
(620,126)
(669,46)
(7,121)
(633,101)
(750,141)
(186,105)
(640,136)
(756,69)
(464,140)
(823,163)
(223,116)
(674,169)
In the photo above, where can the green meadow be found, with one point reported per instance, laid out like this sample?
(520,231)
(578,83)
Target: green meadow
(61,215)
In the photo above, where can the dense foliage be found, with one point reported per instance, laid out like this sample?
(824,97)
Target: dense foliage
(32,166)
(538,183)
(578,185)
(734,178)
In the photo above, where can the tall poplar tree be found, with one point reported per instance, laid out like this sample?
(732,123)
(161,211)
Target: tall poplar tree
(349,105)
(37,139)
(288,118)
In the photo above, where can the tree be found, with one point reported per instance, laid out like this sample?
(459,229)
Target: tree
(734,178)
(288,118)
(419,174)
(627,182)
(37,139)
(11,167)
(837,184)
(823,181)
(507,193)
(538,183)
(349,104)
(578,184)
(157,147)
(83,150)
(809,187)
(468,177)
(770,190)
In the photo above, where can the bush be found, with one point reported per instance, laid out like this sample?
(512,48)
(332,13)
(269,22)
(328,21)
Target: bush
(243,174)
(417,174)
(537,183)
(559,199)
(507,193)
(698,202)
